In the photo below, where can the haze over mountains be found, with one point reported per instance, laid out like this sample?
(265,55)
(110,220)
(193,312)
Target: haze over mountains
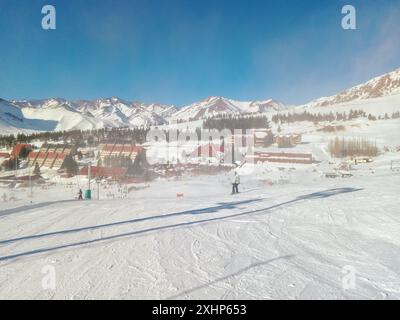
(61,114)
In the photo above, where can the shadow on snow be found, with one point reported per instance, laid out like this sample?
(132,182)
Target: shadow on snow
(232,275)
(31,207)
(220,206)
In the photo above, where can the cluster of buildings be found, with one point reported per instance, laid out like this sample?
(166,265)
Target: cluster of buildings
(17,151)
(263,138)
(118,160)
(121,150)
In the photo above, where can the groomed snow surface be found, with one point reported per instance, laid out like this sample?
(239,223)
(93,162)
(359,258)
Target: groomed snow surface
(291,234)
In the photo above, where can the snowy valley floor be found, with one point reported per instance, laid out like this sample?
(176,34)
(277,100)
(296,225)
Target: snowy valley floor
(288,241)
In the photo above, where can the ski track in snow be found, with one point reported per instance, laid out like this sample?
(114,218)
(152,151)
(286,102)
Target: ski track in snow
(286,241)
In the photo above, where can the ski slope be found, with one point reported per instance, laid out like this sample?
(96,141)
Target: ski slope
(289,240)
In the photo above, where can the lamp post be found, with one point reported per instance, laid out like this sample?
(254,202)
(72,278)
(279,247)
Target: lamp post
(89,178)
(98,188)
(16,168)
(89,173)
(30,183)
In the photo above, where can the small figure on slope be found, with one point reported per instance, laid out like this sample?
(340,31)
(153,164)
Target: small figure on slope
(235,183)
(80,195)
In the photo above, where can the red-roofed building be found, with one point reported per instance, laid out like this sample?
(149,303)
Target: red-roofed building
(32,156)
(280,157)
(136,151)
(106,150)
(121,150)
(50,156)
(95,171)
(288,140)
(41,158)
(208,150)
(263,137)
(19,148)
(59,161)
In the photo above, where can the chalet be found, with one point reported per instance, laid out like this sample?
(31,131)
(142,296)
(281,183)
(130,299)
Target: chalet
(50,159)
(106,150)
(60,160)
(103,172)
(51,156)
(59,148)
(287,140)
(36,157)
(19,150)
(263,137)
(115,150)
(209,150)
(280,157)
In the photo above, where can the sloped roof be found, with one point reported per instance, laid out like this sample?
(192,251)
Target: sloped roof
(95,171)
(16,151)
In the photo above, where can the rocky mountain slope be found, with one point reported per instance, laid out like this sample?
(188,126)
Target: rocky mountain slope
(61,114)
(214,106)
(385,85)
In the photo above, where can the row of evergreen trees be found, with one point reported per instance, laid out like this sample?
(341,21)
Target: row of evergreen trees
(94,137)
(237,122)
(79,137)
(329,117)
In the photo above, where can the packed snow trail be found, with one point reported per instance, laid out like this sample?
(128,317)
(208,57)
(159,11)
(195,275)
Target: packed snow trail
(287,241)
(223,206)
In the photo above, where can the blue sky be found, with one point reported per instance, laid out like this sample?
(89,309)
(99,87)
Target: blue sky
(181,51)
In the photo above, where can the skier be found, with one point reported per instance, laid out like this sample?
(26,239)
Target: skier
(235,183)
(80,195)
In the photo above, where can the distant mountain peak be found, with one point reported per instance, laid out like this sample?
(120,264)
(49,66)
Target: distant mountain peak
(62,114)
(380,86)
(218,105)
(214,99)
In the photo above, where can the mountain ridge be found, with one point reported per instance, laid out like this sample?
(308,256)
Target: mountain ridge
(380,86)
(62,114)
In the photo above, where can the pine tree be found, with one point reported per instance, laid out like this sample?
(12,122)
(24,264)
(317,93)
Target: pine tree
(70,165)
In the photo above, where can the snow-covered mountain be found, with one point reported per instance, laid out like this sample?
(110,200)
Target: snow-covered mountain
(89,114)
(10,116)
(62,114)
(385,85)
(51,103)
(13,120)
(214,106)
(116,112)
(123,113)
(163,110)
